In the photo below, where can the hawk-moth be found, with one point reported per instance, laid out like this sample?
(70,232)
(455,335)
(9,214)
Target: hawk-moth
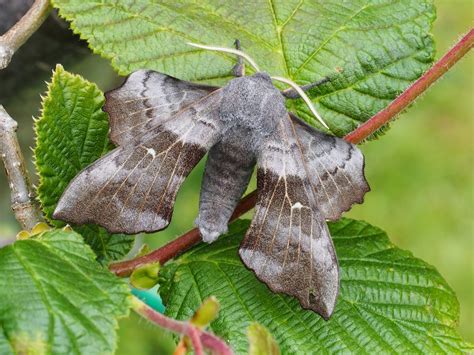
(163,126)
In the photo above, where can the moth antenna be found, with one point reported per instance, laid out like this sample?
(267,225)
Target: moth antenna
(303,96)
(228,50)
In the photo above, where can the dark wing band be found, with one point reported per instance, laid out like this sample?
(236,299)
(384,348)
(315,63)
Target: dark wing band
(133,188)
(145,100)
(288,244)
(335,169)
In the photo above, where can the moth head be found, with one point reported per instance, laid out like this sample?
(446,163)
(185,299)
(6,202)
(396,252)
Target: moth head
(265,75)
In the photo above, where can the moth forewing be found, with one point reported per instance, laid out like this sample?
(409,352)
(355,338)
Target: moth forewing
(133,188)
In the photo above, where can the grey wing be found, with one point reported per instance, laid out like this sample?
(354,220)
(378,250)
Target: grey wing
(145,100)
(133,188)
(288,244)
(335,168)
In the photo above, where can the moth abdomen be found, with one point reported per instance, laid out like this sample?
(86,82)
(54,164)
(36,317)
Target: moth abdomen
(228,170)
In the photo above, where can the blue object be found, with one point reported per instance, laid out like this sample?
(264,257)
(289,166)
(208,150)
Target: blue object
(151,297)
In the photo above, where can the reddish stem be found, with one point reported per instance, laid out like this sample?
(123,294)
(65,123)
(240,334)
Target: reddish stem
(179,245)
(192,237)
(193,334)
(415,90)
(199,338)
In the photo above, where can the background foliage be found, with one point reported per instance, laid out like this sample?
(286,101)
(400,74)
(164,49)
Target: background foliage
(420,181)
(47,283)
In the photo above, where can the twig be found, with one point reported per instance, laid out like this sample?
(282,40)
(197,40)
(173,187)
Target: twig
(415,90)
(23,203)
(24,206)
(22,30)
(208,340)
(192,237)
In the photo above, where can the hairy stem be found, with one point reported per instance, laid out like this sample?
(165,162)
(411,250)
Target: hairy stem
(415,90)
(23,203)
(192,237)
(22,30)
(198,337)
(193,334)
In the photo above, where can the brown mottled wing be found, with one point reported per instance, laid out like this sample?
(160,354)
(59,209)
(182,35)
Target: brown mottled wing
(288,244)
(335,169)
(133,188)
(145,100)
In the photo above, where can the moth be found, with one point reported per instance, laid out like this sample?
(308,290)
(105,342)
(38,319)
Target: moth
(163,127)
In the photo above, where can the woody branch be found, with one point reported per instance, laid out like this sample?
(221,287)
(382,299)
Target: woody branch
(192,237)
(11,41)
(23,203)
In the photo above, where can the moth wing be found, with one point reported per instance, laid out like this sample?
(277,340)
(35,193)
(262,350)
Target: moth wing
(146,99)
(335,169)
(133,188)
(288,244)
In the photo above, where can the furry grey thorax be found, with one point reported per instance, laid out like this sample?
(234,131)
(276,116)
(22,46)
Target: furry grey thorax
(251,107)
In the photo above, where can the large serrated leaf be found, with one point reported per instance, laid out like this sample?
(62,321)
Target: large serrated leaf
(371,49)
(56,299)
(71,133)
(389,300)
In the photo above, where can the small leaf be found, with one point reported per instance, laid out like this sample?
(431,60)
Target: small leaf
(71,133)
(56,299)
(371,50)
(40,228)
(23,235)
(206,312)
(145,276)
(389,301)
(261,341)
(144,249)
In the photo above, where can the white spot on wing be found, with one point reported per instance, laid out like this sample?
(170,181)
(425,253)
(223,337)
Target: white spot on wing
(151,151)
(297,205)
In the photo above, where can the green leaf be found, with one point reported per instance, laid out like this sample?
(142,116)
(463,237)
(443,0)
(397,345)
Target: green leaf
(206,312)
(71,133)
(56,299)
(389,300)
(381,46)
(261,341)
(146,276)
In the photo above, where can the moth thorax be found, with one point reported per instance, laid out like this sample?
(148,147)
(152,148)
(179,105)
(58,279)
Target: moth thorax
(253,104)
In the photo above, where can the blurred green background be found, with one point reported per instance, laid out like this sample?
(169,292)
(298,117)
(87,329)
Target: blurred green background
(421,171)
